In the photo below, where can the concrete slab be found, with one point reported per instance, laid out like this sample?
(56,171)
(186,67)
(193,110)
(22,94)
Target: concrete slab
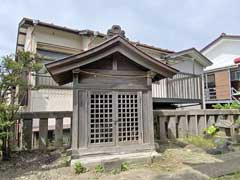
(131,158)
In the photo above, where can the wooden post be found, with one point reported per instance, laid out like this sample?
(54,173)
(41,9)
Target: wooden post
(202,89)
(172,133)
(163,134)
(59,133)
(43,134)
(150,107)
(27,134)
(75,120)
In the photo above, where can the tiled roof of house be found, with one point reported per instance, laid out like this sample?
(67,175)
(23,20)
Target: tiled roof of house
(28,21)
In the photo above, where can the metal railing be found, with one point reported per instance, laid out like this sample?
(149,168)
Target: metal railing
(210,93)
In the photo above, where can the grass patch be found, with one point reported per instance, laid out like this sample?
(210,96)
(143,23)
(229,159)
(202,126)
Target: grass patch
(124,166)
(99,168)
(199,141)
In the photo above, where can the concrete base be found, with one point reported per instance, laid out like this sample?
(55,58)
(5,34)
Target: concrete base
(131,158)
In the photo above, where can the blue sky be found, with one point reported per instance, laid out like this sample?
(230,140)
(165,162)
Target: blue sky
(170,24)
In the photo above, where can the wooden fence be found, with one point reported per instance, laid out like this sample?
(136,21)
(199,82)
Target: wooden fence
(27,130)
(171,124)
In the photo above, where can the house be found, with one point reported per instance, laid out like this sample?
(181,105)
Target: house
(55,42)
(222,79)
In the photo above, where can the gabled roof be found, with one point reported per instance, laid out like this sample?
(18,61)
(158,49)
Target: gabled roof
(193,53)
(61,70)
(219,38)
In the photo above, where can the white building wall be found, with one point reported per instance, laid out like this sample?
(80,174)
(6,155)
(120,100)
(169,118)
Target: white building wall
(223,53)
(189,66)
(51,100)
(57,37)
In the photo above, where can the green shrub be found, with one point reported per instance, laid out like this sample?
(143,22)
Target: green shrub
(99,168)
(210,130)
(124,166)
(199,141)
(233,105)
(79,168)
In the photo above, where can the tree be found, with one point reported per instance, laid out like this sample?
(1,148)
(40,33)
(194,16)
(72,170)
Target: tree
(14,70)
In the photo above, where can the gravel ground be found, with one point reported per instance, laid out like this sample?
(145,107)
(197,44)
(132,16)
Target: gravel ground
(174,164)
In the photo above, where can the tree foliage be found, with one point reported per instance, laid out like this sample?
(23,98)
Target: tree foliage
(14,73)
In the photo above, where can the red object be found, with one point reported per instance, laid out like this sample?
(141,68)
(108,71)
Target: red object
(237,60)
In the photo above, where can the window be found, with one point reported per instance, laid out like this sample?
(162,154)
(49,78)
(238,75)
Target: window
(235,75)
(211,81)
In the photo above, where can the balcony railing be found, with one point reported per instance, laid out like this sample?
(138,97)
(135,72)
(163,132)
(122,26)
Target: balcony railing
(46,81)
(182,87)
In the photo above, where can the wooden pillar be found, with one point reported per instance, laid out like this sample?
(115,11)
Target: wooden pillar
(150,107)
(75,120)
(27,134)
(59,133)
(43,133)
(182,127)
(172,133)
(163,133)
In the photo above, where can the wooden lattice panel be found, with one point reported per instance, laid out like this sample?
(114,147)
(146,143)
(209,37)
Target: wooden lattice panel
(101,117)
(128,117)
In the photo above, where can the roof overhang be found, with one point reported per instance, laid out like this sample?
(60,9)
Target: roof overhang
(61,70)
(194,54)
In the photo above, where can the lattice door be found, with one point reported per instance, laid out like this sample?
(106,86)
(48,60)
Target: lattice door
(101,118)
(115,117)
(129,117)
